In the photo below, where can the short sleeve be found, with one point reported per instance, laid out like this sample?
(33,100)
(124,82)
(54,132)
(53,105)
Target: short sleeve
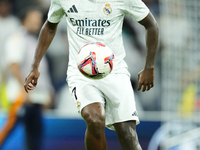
(136,9)
(56,12)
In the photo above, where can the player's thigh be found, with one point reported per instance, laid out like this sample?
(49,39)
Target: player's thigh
(84,94)
(125,128)
(120,101)
(118,89)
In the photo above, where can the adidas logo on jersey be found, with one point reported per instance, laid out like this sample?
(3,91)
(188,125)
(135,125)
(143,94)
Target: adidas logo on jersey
(72,9)
(134,113)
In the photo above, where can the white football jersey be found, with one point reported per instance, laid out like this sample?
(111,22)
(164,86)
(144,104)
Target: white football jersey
(96,21)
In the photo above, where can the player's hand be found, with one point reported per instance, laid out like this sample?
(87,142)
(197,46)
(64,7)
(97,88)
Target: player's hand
(31,80)
(145,79)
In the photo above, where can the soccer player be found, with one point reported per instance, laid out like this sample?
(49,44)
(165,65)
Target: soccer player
(109,101)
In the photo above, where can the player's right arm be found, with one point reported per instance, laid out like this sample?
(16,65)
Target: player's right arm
(46,36)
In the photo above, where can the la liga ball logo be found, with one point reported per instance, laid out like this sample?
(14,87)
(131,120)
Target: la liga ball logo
(107,9)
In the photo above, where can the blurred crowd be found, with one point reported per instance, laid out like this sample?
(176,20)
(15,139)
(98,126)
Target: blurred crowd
(11,14)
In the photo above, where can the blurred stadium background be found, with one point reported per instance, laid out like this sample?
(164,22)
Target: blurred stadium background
(169,113)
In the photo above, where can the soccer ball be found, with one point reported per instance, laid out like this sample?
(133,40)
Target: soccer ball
(95,60)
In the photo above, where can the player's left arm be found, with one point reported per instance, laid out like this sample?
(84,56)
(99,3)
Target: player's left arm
(146,76)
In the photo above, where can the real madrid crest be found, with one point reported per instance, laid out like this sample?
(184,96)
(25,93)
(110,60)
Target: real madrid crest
(78,105)
(107,9)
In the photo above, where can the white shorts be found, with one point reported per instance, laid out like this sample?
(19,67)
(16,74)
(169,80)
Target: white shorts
(114,92)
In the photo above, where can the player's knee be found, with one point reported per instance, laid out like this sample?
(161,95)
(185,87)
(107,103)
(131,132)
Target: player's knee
(95,122)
